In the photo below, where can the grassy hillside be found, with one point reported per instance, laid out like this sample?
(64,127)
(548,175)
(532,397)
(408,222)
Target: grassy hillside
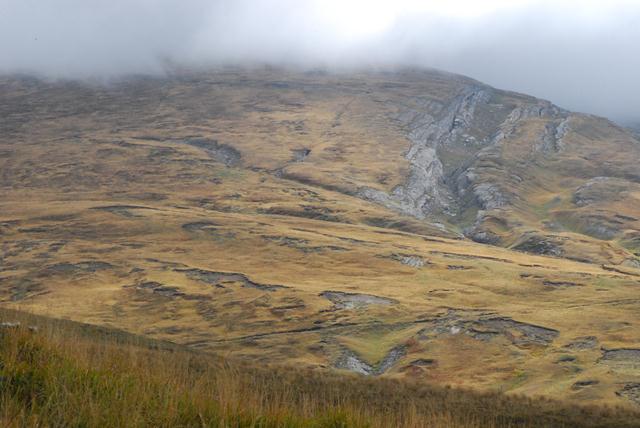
(58,373)
(282,218)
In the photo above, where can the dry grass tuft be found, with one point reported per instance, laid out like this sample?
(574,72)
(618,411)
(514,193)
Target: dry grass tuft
(68,374)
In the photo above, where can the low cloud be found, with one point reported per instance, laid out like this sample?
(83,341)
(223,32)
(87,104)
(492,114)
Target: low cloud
(580,54)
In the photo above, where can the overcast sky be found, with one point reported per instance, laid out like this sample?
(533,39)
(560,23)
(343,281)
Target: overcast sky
(581,54)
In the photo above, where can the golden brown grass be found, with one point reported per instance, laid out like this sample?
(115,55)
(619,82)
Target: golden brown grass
(67,374)
(68,150)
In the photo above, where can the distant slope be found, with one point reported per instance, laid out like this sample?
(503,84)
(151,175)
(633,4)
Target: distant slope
(329,220)
(635,128)
(57,373)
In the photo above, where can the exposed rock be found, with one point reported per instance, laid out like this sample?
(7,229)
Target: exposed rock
(600,230)
(541,109)
(632,263)
(530,275)
(479,232)
(160,289)
(348,360)
(487,328)
(425,190)
(489,196)
(521,333)
(599,189)
(209,228)
(205,226)
(537,244)
(57,246)
(456,160)
(584,384)
(560,284)
(630,391)
(220,152)
(561,131)
(582,343)
(409,260)
(458,267)
(299,155)
(553,139)
(302,244)
(623,357)
(598,224)
(391,358)
(451,323)
(566,359)
(423,362)
(482,236)
(308,211)
(86,267)
(355,300)
(216,278)
(482,335)
(200,225)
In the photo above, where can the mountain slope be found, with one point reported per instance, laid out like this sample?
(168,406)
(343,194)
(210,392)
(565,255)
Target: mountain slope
(329,220)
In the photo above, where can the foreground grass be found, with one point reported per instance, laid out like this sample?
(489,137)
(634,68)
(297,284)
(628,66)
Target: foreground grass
(68,374)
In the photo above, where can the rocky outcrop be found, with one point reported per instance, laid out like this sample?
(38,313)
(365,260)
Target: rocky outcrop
(598,190)
(577,386)
(299,155)
(423,362)
(552,140)
(520,333)
(80,267)
(410,260)
(301,244)
(583,343)
(630,391)
(469,132)
(220,152)
(488,327)
(537,244)
(538,110)
(622,358)
(348,360)
(426,191)
(354,300)
(489,196)
(218,279)
(160,289)
(391,358)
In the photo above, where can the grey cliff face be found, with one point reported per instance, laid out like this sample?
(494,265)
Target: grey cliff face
(456,154)
(429,128)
